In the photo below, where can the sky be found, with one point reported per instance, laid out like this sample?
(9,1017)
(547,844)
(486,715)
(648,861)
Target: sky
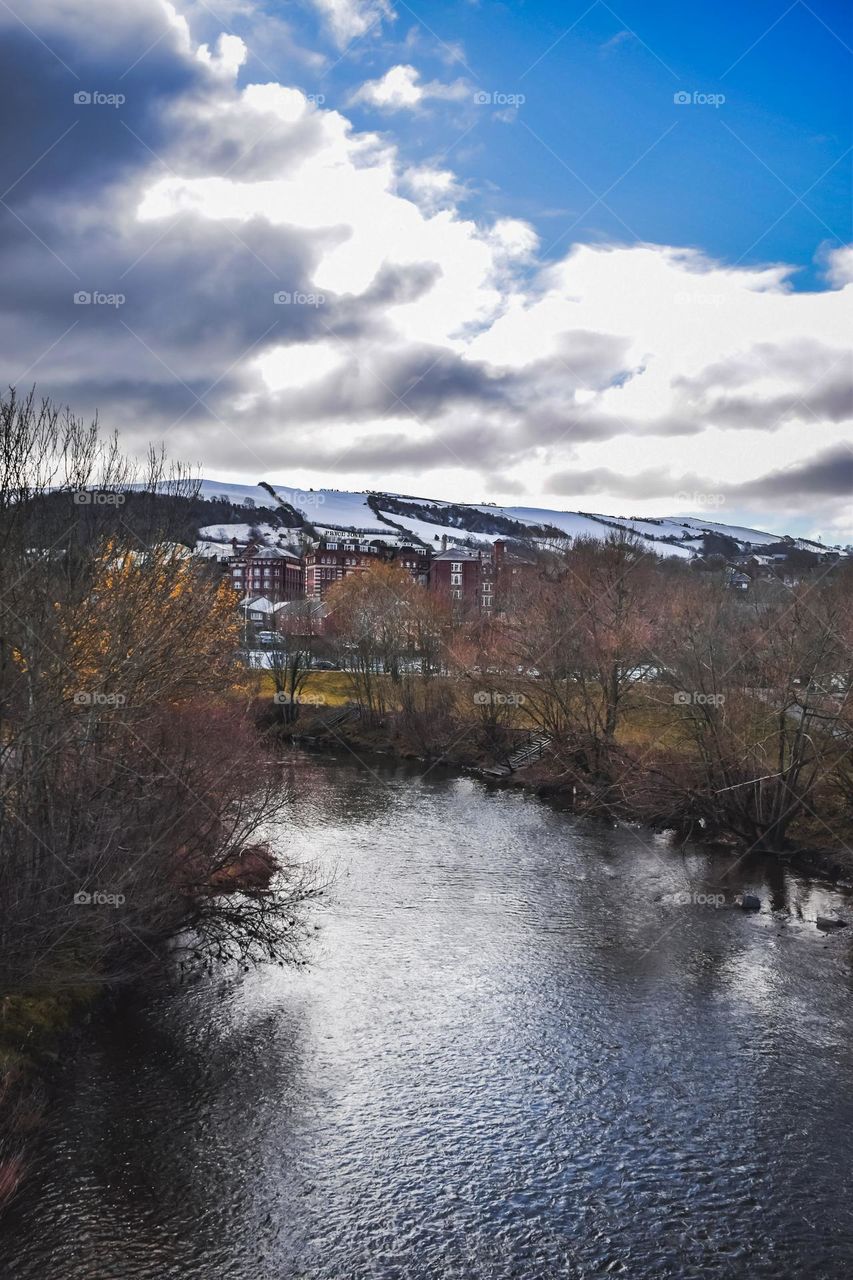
(582,256)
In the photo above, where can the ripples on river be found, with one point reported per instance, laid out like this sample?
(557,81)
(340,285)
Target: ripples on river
(526,1046)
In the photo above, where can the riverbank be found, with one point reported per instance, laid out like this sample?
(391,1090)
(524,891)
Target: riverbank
(41,1031)
(38,1033)
(545,779)
(526,1044)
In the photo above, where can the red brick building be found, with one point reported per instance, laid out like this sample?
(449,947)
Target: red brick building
(267,571)
(333,561)
(477,580)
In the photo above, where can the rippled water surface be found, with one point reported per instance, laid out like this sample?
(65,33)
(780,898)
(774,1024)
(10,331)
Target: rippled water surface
(525,1046)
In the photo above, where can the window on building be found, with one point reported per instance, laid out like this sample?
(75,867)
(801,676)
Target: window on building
(456,579)
(457,595)
(456,566)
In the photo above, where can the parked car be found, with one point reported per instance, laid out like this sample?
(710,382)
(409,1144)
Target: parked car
(323,664)
(269,637)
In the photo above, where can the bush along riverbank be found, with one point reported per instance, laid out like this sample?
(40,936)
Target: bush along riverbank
(640,789)
(40,1031)
(132,808)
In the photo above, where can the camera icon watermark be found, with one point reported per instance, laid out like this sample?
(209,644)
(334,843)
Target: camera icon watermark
(83,698)
(83,98)
(484,98)
(682,98)
(700,499)
(85,298)
(685,898)
(487,698)
(97,498)
(697,699)
(83,898)
(283,298)
(300,499)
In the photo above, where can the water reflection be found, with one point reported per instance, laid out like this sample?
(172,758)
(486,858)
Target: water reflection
(525,1046)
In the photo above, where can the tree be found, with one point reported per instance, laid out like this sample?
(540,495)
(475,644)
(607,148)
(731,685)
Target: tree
(289,659)
(761,693)
(374,615)
(129,784)
(584,630)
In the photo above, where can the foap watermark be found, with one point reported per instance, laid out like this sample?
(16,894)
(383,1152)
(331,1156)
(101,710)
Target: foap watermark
(83,898)
(299,699)
(301,498)
(98,498)
(94,98)
(486,698)
(85,298)
(83,698)
(700,499)
(316,99)
(484,98)
(686,898)
(696,699)
(284,298)
(682,98)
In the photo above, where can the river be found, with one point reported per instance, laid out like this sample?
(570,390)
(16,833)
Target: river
(525,1045)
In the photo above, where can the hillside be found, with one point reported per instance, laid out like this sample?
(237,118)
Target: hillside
(428,520)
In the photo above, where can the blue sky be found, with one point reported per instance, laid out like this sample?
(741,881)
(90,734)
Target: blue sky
(764,176)
(591,257)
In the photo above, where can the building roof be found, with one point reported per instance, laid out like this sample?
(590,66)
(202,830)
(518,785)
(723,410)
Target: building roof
(301,607)
(460,553)
(271,553)
(260,604)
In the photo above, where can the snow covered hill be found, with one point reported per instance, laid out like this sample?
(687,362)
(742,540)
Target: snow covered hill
(428,520)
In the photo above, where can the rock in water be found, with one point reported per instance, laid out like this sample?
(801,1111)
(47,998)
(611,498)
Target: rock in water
(750,902)
(826,924)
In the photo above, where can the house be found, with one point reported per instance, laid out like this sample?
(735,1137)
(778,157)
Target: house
(477,579)
(737,581)
(269,571)
(460,576)
(301,618)
(259,610)
(335,559)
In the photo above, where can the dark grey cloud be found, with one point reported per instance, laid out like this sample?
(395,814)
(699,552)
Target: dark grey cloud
(173,360)
(58,148)
(825,387)
(829,475)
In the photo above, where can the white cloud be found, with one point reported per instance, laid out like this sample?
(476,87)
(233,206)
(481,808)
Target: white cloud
(349,20)
(401,89)
(443,343)
(839,266)
(229,56)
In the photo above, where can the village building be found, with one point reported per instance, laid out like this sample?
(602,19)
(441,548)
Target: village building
(333,560)
(302,618)
(477,579)
(272,572)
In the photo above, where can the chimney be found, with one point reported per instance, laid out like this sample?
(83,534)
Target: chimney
(444,542)
(500,552)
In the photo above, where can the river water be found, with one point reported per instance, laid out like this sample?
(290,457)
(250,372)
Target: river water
(525,1046)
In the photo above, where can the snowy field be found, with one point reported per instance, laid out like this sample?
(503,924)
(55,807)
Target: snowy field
(326,508)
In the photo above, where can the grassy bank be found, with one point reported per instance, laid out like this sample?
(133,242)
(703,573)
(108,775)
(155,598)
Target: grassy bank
(653,740)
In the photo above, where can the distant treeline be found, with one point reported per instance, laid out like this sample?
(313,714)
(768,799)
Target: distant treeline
(177,517)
